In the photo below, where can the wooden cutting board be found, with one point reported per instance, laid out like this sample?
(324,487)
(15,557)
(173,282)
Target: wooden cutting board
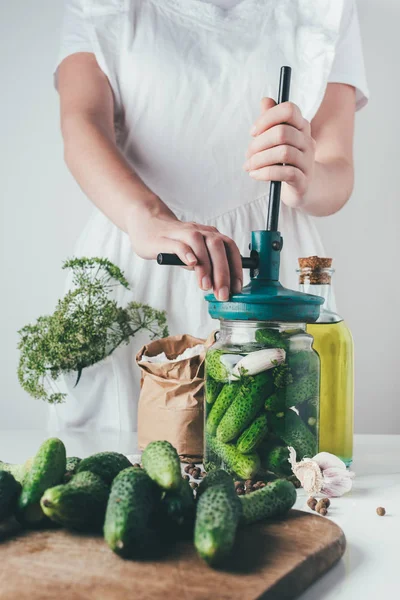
(274,561)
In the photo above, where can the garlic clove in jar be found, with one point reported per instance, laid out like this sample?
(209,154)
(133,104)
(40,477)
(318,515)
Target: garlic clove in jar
(258,361)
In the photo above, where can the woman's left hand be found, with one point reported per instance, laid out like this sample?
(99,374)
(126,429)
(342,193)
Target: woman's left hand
(282,150)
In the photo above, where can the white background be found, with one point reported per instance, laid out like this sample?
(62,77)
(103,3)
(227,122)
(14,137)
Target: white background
(42,209)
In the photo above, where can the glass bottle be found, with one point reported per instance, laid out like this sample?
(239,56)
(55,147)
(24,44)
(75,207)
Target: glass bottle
(262,395)
(334,344)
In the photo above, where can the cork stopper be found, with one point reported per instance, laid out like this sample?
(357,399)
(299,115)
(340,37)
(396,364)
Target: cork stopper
(315,270)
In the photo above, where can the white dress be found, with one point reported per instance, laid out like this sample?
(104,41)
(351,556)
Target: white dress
(187,78)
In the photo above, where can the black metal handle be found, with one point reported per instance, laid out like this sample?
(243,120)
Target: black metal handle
(275,188)
(174,260)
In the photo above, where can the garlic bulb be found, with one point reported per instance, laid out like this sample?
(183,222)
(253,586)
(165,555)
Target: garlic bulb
(323,474)
(258,361)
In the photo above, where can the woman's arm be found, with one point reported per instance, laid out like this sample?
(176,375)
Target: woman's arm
(318,156)
(87,110)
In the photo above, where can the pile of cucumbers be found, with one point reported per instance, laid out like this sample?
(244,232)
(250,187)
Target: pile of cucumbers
(253,418)
(139,510)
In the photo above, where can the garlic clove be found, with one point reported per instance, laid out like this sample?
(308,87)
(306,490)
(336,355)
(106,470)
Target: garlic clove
(332,480)
(336,482)
(326,460)
(307,472)
(230,360)
(258,361)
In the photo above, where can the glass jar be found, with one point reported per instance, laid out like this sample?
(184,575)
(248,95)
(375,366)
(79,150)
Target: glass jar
(334,344)
(262,396)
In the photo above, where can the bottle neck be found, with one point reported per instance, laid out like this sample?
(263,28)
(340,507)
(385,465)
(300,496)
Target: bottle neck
(322,290)
(318,283)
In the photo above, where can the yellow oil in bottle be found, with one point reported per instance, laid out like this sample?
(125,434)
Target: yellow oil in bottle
(334,344)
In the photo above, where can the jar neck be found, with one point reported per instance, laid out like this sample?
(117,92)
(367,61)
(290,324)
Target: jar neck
(256,325)
(239,332)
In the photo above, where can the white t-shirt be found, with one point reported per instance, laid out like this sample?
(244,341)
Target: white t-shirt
(348,65)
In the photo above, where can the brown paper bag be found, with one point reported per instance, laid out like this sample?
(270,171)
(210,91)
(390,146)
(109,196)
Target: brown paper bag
(171,396)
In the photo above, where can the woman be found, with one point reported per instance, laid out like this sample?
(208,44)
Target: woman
(164,132)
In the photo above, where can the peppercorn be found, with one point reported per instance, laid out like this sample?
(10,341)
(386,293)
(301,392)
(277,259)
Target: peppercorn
(323,511)
(320,506)
(238,484)
(325,502)
(190,471)
(240,491)
(203,474)
(186,477)
(248,483)
(187,468)
(381,511)
(312,502)
(195,472)
(248,490)
(194,485)
(137,465)
(258,485)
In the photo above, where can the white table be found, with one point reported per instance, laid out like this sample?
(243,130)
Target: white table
(368,571)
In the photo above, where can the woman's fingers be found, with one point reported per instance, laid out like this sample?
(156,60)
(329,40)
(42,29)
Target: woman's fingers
(277,136)
(267,103)
(287,112)
(220,266)
(203,268)
(287,155)
(287,173)
(218,262)
(235,264)
(182,250)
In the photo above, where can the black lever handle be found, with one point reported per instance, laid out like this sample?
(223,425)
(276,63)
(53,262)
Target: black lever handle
(275,188)
(174,260)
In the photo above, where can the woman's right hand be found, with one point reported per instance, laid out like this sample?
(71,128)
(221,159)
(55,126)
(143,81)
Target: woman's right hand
(214,257)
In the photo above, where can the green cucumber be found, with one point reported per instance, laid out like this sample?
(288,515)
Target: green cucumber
(9,492)
(215,368)
(133,501)
(245,406)
(245,466)
(47,470)
(309,413)
(302,362)
(276,402)
(253,435)
(80,504)
(290,428)
(212,389)
(221,405)
(275,459)
(18,471)
(273,500)
(161,462)
(215,477)
(71,467)
(177,512)
(294,394)
(217,518)
(106,465)
(271,339)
